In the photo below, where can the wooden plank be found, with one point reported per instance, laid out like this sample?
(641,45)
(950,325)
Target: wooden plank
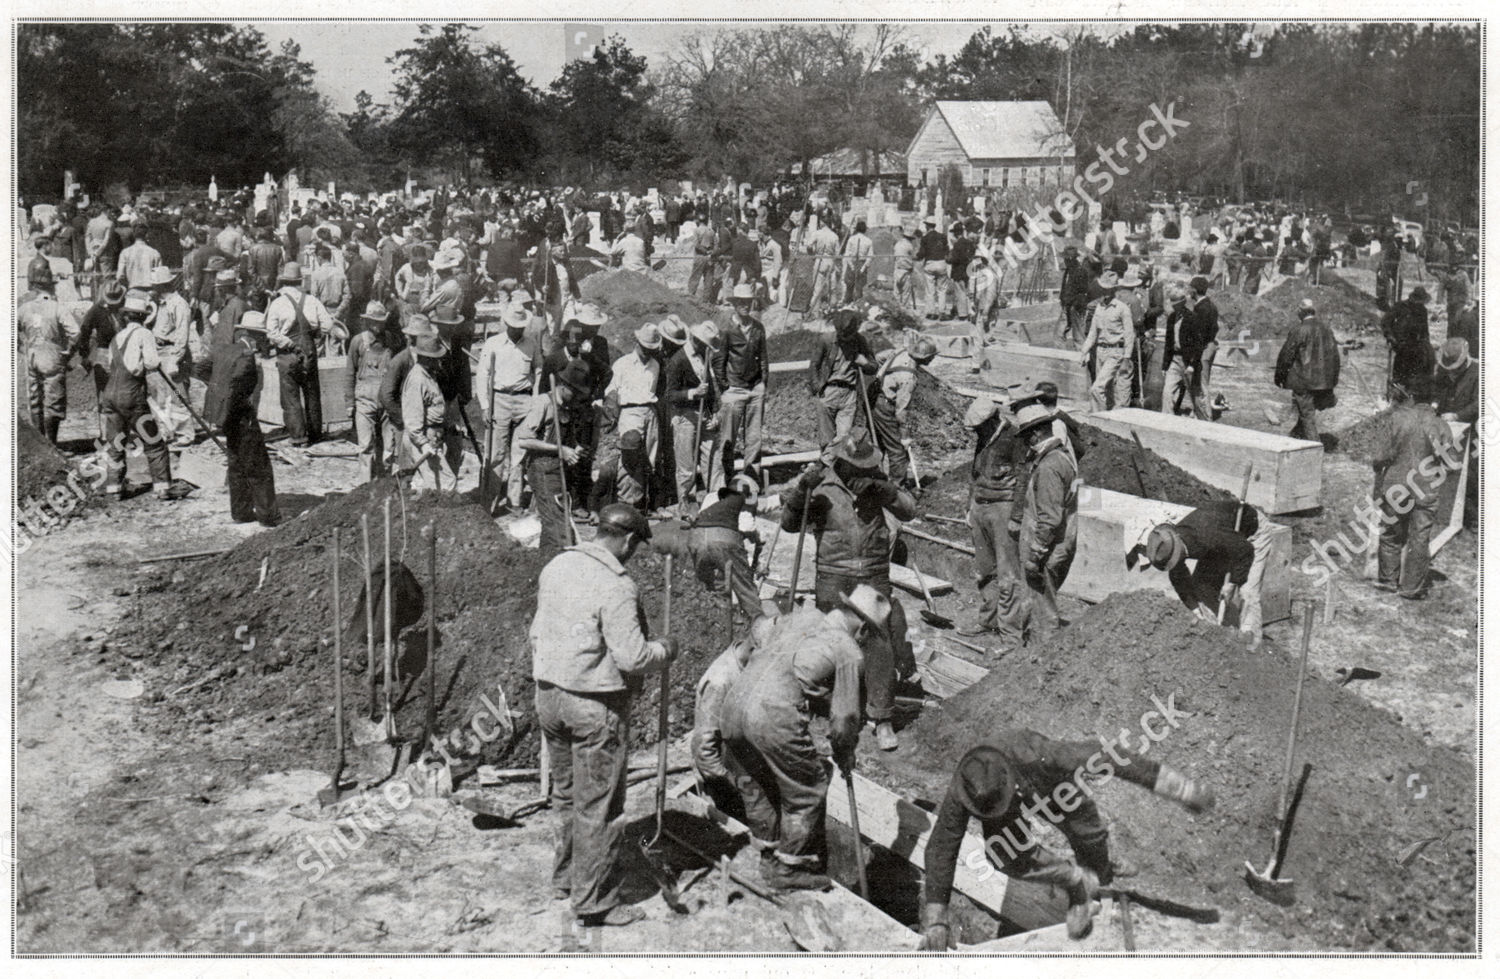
(944,674)
(333,380)
(1288,472)
(1013,363)
(1453,493)
(1110,523)
(790,366)
(904,828)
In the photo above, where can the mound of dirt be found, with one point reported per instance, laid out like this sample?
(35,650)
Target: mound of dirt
(1347,310)
(631,299)
(200,620)
(1358,440)
(1358,819)
(935,418)
(39,466)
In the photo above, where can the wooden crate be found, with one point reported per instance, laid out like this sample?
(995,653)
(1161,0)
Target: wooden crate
(1025,365)
(1109,523)
(1288,472)
(333,378)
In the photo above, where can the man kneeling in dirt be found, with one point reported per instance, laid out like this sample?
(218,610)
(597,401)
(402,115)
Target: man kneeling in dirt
(1231,562)
(811,658)
(1001,782)
(708,734)
(586,641)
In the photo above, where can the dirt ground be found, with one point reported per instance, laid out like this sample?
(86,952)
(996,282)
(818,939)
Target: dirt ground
(154,822)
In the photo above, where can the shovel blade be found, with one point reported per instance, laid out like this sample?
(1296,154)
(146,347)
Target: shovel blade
(807,921)
(1279,892)
(935,620)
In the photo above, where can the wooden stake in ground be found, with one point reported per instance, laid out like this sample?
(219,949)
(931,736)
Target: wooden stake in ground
(432,594)
(330,795)
(388,723)
(1239,511)
(364,530)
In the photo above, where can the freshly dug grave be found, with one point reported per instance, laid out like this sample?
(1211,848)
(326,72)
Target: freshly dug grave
(631,299)
(1361,811)
(191,624)
(1345,309)
(935,418)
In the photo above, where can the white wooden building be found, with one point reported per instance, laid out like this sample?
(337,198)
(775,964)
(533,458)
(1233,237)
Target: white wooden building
(994,144)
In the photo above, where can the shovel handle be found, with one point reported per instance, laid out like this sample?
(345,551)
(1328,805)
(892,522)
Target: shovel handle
(338,660)
(1284,837)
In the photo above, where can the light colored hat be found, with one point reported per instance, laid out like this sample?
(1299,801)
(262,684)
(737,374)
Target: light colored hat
(162,276)
(1032,416)
(743,291)
(375,312)
(429,345)
(981,410)
(1453,354)
(444,261)
(227,277)
(1164,547)
(447,315)
(873,608)
(1108,280)
(139,301)
(253,320)
(518,317)
(857,452)
(705,332)
(520,297)
(418,325)
(673,330)
(290,272)
(923,351)
(1131,281)
(649,336)
(590,314)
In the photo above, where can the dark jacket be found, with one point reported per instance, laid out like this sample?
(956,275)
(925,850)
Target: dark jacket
(851,530)
(1038,765)
(1458,392)
(745,254)
(823,361)
(679,378)
(390,386)
(1410,448)
(1309,359)
(1051,498)
(1405,328)
(1075,285)
(1209,537)
(234,386)
(503,260)
(999,461)
(933,247)
(741,359)
(1187,336)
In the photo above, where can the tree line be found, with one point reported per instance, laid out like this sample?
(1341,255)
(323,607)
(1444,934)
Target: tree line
(1331,114)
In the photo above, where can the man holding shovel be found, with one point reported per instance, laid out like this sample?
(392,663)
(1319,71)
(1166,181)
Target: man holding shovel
(846,506)
(1003,782)
(894,384)
(838,370)
(587,643)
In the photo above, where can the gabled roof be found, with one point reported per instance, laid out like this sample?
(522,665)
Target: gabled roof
(1006,130)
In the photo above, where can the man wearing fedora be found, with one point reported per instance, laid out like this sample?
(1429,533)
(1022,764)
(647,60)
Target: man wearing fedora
(1308,366)
(1047,531)
(741,364)
(1009,778)
(47,329)
(633,387)
(97,330)
(838,370)
(932,253)
(1406,332)
(1074,295)
(548,461)
(226,311)
(996,473)
(692,403)
(1413,455)
(295,322)
(811,658)
(370,355)
(124,406)
(848,506)
(1111,333)
(414,280)
(173,328)
(509,365)
(230,405)
(424,412)
(1228,567)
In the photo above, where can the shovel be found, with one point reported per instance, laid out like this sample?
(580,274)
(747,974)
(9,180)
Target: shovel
(1266,884)
(1349,674)
(930,614)
(791,591)
(330,795)
(661,711)
(1239,512)
(1271,885)
(916,466)
(388,722)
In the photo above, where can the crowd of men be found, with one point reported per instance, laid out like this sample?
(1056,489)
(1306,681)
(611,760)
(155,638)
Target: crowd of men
(580,433)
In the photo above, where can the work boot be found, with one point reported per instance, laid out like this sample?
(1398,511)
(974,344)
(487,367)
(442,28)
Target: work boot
(975,627)
(885,737)
(175,490)
(616,917)
(1081,895)
(781,876)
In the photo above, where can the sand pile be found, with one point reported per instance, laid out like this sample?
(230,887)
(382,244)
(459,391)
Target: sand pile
(200,619)
(1358,440)
(39,466)
(1358,818)
(1347,310)
(631,299)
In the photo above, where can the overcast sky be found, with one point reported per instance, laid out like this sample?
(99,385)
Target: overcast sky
(351,56)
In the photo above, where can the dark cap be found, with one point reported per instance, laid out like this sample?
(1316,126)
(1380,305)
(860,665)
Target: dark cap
(621,519)
(984,783)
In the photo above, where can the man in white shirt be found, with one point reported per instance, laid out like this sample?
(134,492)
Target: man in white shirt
(631,249)
(173,331)
(294,323)
(634,386)
(508,373)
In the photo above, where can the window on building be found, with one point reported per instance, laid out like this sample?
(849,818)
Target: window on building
(924,176)
(1005,176)
(984,176)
